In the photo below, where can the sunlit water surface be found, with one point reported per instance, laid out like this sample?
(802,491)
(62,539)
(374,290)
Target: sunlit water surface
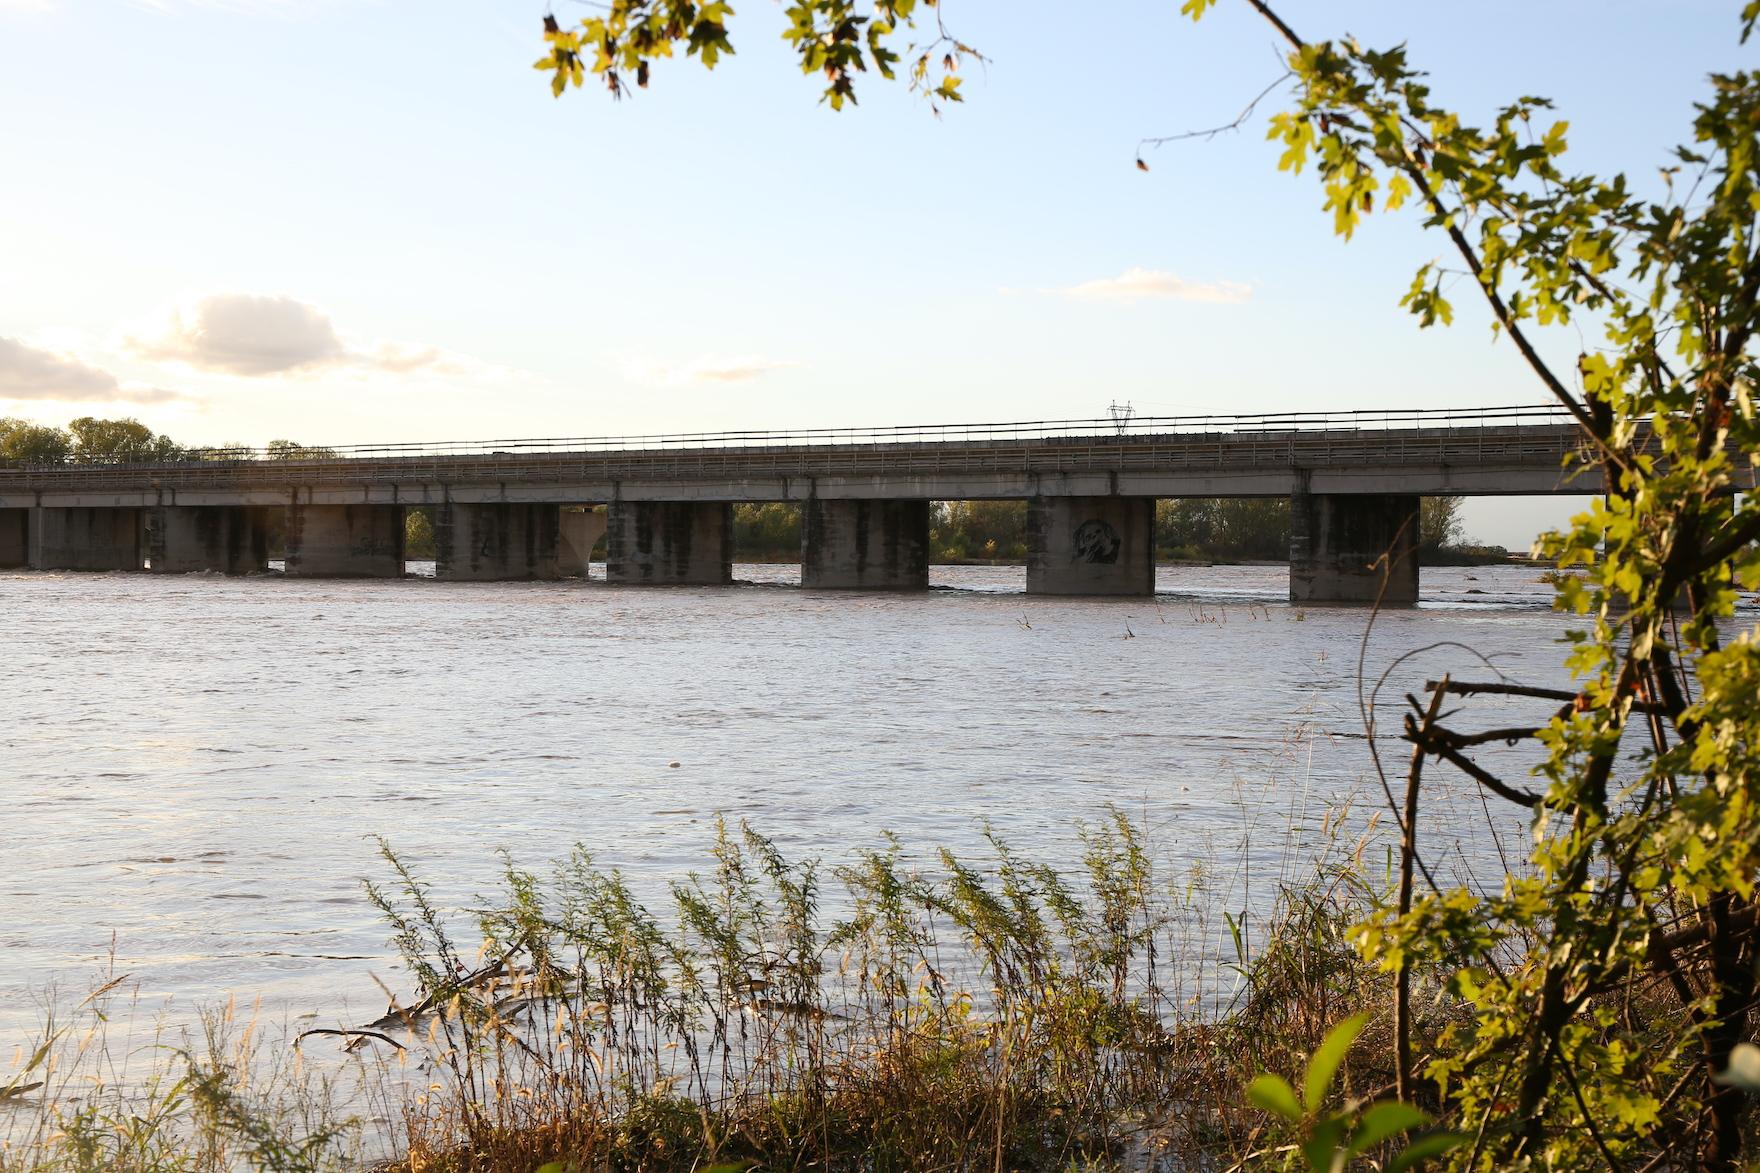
(195,767)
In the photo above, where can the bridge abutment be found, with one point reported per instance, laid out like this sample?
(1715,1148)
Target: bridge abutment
(496,541)
(84,538)
(1337,541)
(581,530)
(865,545)
(344,541)
(1091,546)
(15,538)
(230,539)
(669,543)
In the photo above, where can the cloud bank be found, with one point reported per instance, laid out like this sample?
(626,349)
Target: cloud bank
(30,373)
(1137,283)
(253,335)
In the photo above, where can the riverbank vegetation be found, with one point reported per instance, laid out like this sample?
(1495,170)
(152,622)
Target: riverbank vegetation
(952,1013)
(1220,529)
(89,440)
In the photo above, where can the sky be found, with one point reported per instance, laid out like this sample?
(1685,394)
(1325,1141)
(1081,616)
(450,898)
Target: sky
(353,221)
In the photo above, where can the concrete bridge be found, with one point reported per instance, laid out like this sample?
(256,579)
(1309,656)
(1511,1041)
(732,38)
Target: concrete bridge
(504,510)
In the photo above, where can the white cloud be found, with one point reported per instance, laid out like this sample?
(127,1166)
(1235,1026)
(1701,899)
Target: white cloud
(242,334)
(1136,283)
(705,369)
(31,373)
(253,335)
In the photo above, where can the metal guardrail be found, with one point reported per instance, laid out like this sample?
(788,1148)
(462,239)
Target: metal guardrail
(1033,430)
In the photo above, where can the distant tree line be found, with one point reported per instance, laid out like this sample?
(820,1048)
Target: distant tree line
(1193,528)
(89,440)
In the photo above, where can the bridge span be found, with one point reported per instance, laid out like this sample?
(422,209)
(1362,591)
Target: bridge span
(504,509)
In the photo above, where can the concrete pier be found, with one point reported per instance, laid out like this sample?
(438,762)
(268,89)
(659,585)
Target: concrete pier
(669,543)
(15,538)
(581,531)
(865,545)
(496,541)
(229,539)
(84,538)
(1091,546)
(1337,542)
(345,541)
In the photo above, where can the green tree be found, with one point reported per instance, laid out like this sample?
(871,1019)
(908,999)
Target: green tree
(959,530)
(418,532)
(1224,527)
(22,442)
(1609,984)
(770,531)
(1440,524)
(293,450)
(123,441)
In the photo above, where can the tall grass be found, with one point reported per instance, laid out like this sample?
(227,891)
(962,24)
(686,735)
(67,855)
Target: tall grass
(892,1013)
(101,1091)
(958,1015)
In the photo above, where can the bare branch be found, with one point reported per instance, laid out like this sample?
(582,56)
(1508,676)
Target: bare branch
(1239,121)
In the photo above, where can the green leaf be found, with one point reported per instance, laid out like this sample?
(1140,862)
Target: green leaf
(1426,1147)
(1320,1148)
(1324,1065)
(1273,1094)
(1383,1120)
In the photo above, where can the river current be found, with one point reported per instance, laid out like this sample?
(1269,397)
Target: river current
(195,767)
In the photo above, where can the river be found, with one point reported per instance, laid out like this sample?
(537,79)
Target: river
(195,766)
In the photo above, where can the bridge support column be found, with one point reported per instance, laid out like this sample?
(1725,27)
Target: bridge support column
(865,545)
(496,541)
(15,538)
(669,543)
(1091,546)
(230,539)
(581,531)
(1336,540)
(85,538)
(345,541)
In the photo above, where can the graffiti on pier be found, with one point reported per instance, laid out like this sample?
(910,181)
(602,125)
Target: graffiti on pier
(1097,542)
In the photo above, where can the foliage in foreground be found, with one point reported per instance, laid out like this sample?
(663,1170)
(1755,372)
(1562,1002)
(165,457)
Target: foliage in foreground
(1638,886)
(101,1092)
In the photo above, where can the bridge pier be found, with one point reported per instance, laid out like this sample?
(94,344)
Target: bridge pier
(84,538)
(344,541)
(865,545)
(581,531)
(231,539)
(1091,546)
(496,541)
(669,543)
(15,538)
(1336,540)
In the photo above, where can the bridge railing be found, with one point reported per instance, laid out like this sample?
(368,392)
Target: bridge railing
(1094,430)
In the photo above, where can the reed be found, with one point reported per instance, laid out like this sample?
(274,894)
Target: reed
(891,1013)
(958,1014)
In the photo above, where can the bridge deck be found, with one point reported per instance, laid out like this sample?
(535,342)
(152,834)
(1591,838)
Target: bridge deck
(1489,458)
